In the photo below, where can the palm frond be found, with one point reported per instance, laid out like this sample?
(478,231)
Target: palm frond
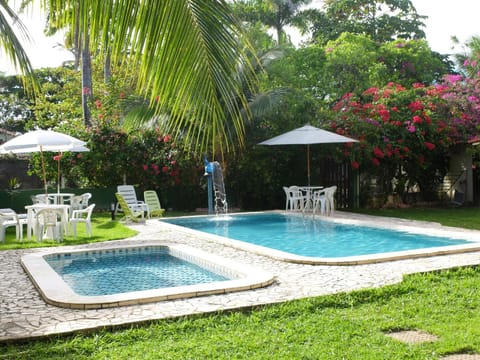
(12,46)
(186,54)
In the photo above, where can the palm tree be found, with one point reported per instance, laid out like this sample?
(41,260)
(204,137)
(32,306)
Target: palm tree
(186,55)
(11,44)
(276,14)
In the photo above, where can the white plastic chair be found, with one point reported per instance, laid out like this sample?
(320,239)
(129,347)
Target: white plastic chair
(330,194)
(319,201)
(82,216)
(296,198)
(287,198)
(49,223)
(79,202)
(325,200)
(130,196)
(41,199)
(9,218)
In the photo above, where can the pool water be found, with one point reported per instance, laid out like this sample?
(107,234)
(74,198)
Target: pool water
(127,270)
(305,236)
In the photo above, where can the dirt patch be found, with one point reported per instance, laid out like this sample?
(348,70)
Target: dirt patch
(412,336)
(462,357)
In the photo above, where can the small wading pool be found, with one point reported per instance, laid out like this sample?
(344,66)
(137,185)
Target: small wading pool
(339,240)
(127,275)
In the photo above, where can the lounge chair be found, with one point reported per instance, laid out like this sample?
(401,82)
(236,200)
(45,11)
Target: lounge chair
(130,215)
(153,203)
(130,196)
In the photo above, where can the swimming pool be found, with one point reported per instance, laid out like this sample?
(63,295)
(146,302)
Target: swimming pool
(331,240)
(93,273)
(126,275)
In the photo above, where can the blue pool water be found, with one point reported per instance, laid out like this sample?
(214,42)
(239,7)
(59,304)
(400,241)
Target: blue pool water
(120,271)
(312,237)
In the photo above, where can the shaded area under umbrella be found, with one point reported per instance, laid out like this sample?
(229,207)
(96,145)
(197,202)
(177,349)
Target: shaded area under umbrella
(307,135)
(40,141)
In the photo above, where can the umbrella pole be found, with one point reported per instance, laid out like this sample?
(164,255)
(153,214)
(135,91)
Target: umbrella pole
(58,172)
(308,163)
(43,171)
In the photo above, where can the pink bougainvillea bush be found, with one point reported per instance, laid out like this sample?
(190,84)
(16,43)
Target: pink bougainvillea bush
(405,134)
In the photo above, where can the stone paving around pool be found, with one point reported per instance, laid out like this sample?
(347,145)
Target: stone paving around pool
(23,313)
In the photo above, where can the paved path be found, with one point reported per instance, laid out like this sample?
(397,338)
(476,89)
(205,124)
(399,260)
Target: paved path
(23,314)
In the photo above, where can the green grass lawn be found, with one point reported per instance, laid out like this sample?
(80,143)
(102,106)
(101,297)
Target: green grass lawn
(343,326)
(103,229)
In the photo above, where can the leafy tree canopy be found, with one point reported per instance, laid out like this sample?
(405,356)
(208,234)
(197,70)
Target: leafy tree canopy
(381,20)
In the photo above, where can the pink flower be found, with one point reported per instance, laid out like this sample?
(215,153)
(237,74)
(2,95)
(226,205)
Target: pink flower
(57,157)
(375,161)
(415,106)
(355,165)
(429,145)
(145,167)
(411,128)
(378,152)
(417,119)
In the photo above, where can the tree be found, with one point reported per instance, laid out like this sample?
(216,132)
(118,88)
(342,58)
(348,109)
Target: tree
(469,61)
(274,14)
(185,55)
(15,108)
(354,63)
(381,20)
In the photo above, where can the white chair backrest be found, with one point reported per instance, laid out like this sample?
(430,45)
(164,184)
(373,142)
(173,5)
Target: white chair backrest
(128,193)
(41,199)
(85,198)
(50,216)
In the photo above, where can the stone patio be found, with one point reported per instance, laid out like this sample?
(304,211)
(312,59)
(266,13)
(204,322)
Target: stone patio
(24,314)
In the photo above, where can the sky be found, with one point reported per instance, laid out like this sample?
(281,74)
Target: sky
(445,19)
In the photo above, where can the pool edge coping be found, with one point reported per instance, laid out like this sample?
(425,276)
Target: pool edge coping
(53,289)
(398,224)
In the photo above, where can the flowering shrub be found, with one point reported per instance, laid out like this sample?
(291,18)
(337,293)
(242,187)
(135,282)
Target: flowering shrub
(405,134)
(147,159)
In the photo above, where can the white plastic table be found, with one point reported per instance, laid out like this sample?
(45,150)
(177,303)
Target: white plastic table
(31,215)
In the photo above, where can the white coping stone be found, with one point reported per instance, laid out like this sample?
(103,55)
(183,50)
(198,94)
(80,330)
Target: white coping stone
(57,292)
(413,227)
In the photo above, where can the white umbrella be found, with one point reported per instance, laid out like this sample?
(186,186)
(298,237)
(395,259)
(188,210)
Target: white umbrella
(40,141)
(307,135)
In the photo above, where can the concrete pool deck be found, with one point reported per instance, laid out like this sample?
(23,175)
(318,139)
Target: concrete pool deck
(24,314)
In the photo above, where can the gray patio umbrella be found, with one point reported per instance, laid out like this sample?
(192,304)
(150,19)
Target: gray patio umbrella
(307,135)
